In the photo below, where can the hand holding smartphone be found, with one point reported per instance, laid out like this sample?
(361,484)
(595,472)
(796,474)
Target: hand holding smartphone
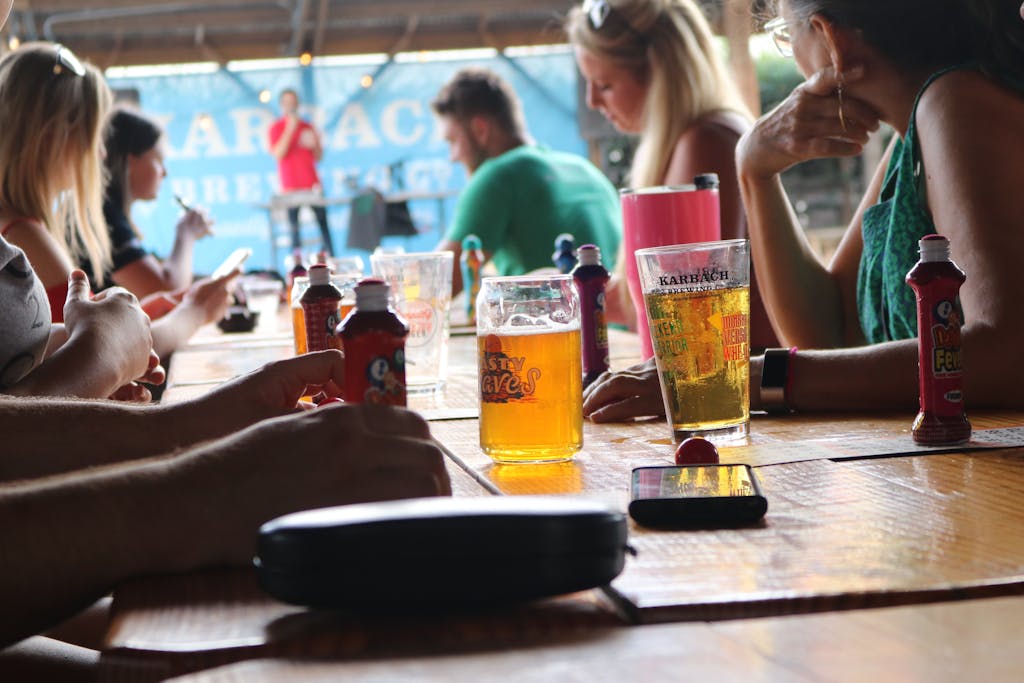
(698,496)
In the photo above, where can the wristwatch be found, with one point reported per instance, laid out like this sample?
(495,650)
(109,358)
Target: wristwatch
(774,376)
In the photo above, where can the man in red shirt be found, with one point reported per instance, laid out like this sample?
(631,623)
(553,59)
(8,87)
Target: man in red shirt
(296,146)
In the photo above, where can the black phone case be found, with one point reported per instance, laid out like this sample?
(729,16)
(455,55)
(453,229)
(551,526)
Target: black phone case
(435,553)
(700,512)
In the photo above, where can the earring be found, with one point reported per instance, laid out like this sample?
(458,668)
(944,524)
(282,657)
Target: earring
(842,115)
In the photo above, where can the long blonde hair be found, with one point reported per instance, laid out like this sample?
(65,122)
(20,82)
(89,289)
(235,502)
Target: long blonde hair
(51,117)
(669,45)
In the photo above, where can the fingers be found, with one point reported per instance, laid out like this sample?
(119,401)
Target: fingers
(155,373)
(78,287)
(310,369)
(612,389)
(628,408)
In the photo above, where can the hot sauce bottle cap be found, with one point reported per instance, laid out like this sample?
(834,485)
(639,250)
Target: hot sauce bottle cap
(372,295)
(319,274)
(934,248)
(589,255)
(471,242)
(706,181)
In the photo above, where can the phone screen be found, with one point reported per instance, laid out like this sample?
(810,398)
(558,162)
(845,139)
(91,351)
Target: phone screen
(693,481)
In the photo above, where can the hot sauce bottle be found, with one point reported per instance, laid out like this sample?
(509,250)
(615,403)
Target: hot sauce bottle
(936,281)
(591,278)
(320,310)
(374,338)
(472,260)
(298,269)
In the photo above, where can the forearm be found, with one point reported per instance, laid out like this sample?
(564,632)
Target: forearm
(173,330)
(46,437)
(802,298)
(177,268)
(70,541)
(79,368)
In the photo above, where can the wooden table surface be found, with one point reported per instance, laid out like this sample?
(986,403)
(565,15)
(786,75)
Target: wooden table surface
(843,533)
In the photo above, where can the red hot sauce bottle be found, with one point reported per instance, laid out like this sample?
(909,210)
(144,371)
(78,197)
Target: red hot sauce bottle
(320,310)
(591,278)
(374,339)
(936,281)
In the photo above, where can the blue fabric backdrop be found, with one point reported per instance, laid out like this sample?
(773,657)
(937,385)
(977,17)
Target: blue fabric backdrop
(217,154)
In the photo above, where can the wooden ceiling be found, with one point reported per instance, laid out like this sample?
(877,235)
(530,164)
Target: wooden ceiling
(129,32)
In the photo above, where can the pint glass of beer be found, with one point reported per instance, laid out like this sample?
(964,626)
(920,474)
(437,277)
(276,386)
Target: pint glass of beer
(697,298)
(531,381)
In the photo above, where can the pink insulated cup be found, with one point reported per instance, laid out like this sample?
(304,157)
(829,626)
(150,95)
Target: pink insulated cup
(663,216)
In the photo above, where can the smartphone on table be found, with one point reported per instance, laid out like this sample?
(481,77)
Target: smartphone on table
(701,496)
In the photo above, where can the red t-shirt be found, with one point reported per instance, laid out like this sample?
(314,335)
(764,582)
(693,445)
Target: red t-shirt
(297,168)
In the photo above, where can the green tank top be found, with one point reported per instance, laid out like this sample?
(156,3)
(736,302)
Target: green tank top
(891,230)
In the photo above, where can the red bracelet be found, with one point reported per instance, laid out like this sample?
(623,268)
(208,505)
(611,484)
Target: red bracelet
(787,392)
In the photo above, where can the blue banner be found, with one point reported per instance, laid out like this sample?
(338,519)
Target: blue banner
(217,153)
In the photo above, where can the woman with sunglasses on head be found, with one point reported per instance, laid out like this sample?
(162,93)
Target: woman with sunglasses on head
(52,112)
(652,68)
(948,76)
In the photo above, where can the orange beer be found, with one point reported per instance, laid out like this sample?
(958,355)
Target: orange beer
(531,395)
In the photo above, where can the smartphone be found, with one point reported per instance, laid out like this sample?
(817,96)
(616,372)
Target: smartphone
(237,258)
(703,496)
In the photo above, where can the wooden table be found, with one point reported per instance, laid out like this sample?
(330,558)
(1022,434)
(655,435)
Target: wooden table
(937,535)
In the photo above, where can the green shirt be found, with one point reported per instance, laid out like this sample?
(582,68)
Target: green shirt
(519,202)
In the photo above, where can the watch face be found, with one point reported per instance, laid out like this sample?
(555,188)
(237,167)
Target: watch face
(774,373)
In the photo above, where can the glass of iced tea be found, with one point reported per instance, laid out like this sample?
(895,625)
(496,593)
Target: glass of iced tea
(697,298)
(531,393)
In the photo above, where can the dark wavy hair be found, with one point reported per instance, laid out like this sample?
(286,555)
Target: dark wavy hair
(933,33)
(481,92)
(129,132)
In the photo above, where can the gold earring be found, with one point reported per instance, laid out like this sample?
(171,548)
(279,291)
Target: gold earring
(842,115)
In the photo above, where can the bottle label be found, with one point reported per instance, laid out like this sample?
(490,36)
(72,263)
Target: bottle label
(594,323)
(321,317)
(375,369)
(941,355)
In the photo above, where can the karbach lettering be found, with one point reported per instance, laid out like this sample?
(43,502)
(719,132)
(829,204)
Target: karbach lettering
(703,277)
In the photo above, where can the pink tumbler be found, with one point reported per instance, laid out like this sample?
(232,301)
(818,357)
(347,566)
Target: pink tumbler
(663,216)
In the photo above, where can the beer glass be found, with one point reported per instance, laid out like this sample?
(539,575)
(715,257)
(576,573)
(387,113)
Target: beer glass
(421,284)
(697,298)
(531,378)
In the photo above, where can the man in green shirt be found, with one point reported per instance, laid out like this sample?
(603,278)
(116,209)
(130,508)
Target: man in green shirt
(520,196)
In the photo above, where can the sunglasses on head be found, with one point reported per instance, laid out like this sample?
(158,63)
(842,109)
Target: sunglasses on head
(597,12)
(65,59)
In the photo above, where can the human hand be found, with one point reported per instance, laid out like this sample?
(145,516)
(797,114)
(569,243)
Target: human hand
(194,225)
(808,125)
(272,391)
(209,297)
(617,396)
(115,328)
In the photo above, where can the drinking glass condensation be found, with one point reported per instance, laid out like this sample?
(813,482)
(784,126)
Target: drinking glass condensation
(421,284)
(697,298)
(531,378)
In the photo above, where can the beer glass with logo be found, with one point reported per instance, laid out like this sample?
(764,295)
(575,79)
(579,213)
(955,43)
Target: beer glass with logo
(697,298)
(531,384)
(421,284)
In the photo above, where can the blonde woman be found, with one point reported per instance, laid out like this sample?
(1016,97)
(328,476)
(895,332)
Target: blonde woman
(652,69)
(53,109)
